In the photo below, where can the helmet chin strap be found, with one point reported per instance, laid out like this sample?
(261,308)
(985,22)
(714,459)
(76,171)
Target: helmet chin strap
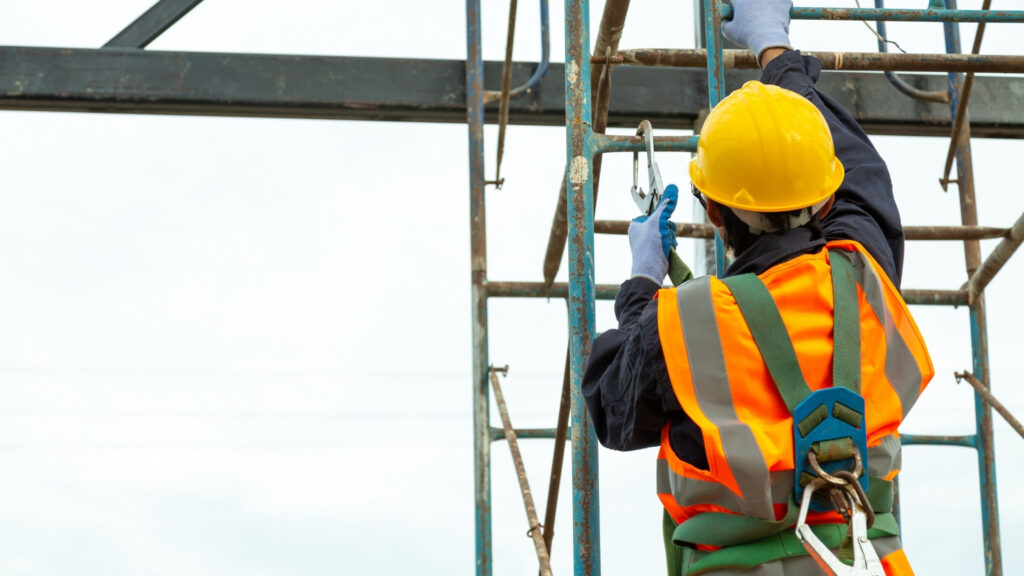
(759,223)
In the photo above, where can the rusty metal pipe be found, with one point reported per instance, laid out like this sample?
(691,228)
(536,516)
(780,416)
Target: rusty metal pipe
(613,19)
(692,230)
(544,290)
(498,434)
(683,229)
(996,260)
(505,96)
(862,61)
(478,293)
(985,441)
(608,292)
(524,484)
(558,457)
(983,391)
(935,297)
(961,110)
(954,232)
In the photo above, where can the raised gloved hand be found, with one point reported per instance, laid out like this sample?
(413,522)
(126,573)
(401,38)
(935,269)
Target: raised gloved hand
(759,24)
(651,237)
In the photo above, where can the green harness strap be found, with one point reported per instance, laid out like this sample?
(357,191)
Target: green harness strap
(846,323)
(722,529)
(785,545)
(764,543)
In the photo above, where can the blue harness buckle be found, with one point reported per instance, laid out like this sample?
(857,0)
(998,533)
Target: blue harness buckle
(830,424)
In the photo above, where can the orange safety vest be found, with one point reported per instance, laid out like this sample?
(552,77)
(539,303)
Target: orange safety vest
(722,383)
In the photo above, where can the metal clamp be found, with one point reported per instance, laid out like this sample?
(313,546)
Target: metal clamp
(865,559)
(649,201)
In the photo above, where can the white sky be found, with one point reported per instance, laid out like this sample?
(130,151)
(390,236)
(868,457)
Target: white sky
(235,346)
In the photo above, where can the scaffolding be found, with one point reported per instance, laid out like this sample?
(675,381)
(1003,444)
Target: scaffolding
(586,118)
(123,77)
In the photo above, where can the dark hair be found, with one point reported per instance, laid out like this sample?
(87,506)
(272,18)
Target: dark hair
(739,237)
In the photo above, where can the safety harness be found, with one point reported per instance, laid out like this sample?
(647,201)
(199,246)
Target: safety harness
(830,450)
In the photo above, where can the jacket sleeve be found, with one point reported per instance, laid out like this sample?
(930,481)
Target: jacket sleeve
(626,384)
(865,209)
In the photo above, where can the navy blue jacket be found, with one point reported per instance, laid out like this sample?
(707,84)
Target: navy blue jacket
(626,383)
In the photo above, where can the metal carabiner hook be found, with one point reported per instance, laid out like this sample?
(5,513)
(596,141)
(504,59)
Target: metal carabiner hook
(649,201)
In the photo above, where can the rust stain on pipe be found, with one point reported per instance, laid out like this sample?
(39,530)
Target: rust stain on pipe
(524,483)
(857,61)
(613,19)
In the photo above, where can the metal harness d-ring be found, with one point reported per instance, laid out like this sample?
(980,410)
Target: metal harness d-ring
(858,468)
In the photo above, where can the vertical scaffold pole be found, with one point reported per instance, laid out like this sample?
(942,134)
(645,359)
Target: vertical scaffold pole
(580,157)
(716,86)
(478,266)
(979,330)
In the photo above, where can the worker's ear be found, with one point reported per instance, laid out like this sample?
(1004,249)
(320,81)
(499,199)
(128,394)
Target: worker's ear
(828,206)
(715,214)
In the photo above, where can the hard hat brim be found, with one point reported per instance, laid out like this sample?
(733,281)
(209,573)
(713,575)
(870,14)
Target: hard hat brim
(731,198)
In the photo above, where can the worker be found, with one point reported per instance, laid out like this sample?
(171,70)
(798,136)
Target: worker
(797,193)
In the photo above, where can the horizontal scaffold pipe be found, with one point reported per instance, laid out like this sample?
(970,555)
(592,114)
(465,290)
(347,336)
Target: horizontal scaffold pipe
(608,292)
(896,14)
(857,61)
(691,230)
(928,440)
(498,434)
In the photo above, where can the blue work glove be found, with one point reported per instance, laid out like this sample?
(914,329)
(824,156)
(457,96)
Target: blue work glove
(651,237)
(759,25)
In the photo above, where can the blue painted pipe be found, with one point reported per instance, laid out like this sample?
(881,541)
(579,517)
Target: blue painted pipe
(979,336)
(896,80)
(586,526)
(713,15)
(478,243)
(545,55)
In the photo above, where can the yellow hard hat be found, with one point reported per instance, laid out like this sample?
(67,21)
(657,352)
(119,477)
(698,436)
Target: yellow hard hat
(766,149)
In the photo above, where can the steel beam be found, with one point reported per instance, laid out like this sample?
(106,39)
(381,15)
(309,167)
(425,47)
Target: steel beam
(152,23)
(394,89)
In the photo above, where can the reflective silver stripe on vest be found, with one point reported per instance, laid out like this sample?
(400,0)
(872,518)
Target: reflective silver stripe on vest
(714,396)
(694,491)
(887,545)
(900,365)
(688,491)
(885,457)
